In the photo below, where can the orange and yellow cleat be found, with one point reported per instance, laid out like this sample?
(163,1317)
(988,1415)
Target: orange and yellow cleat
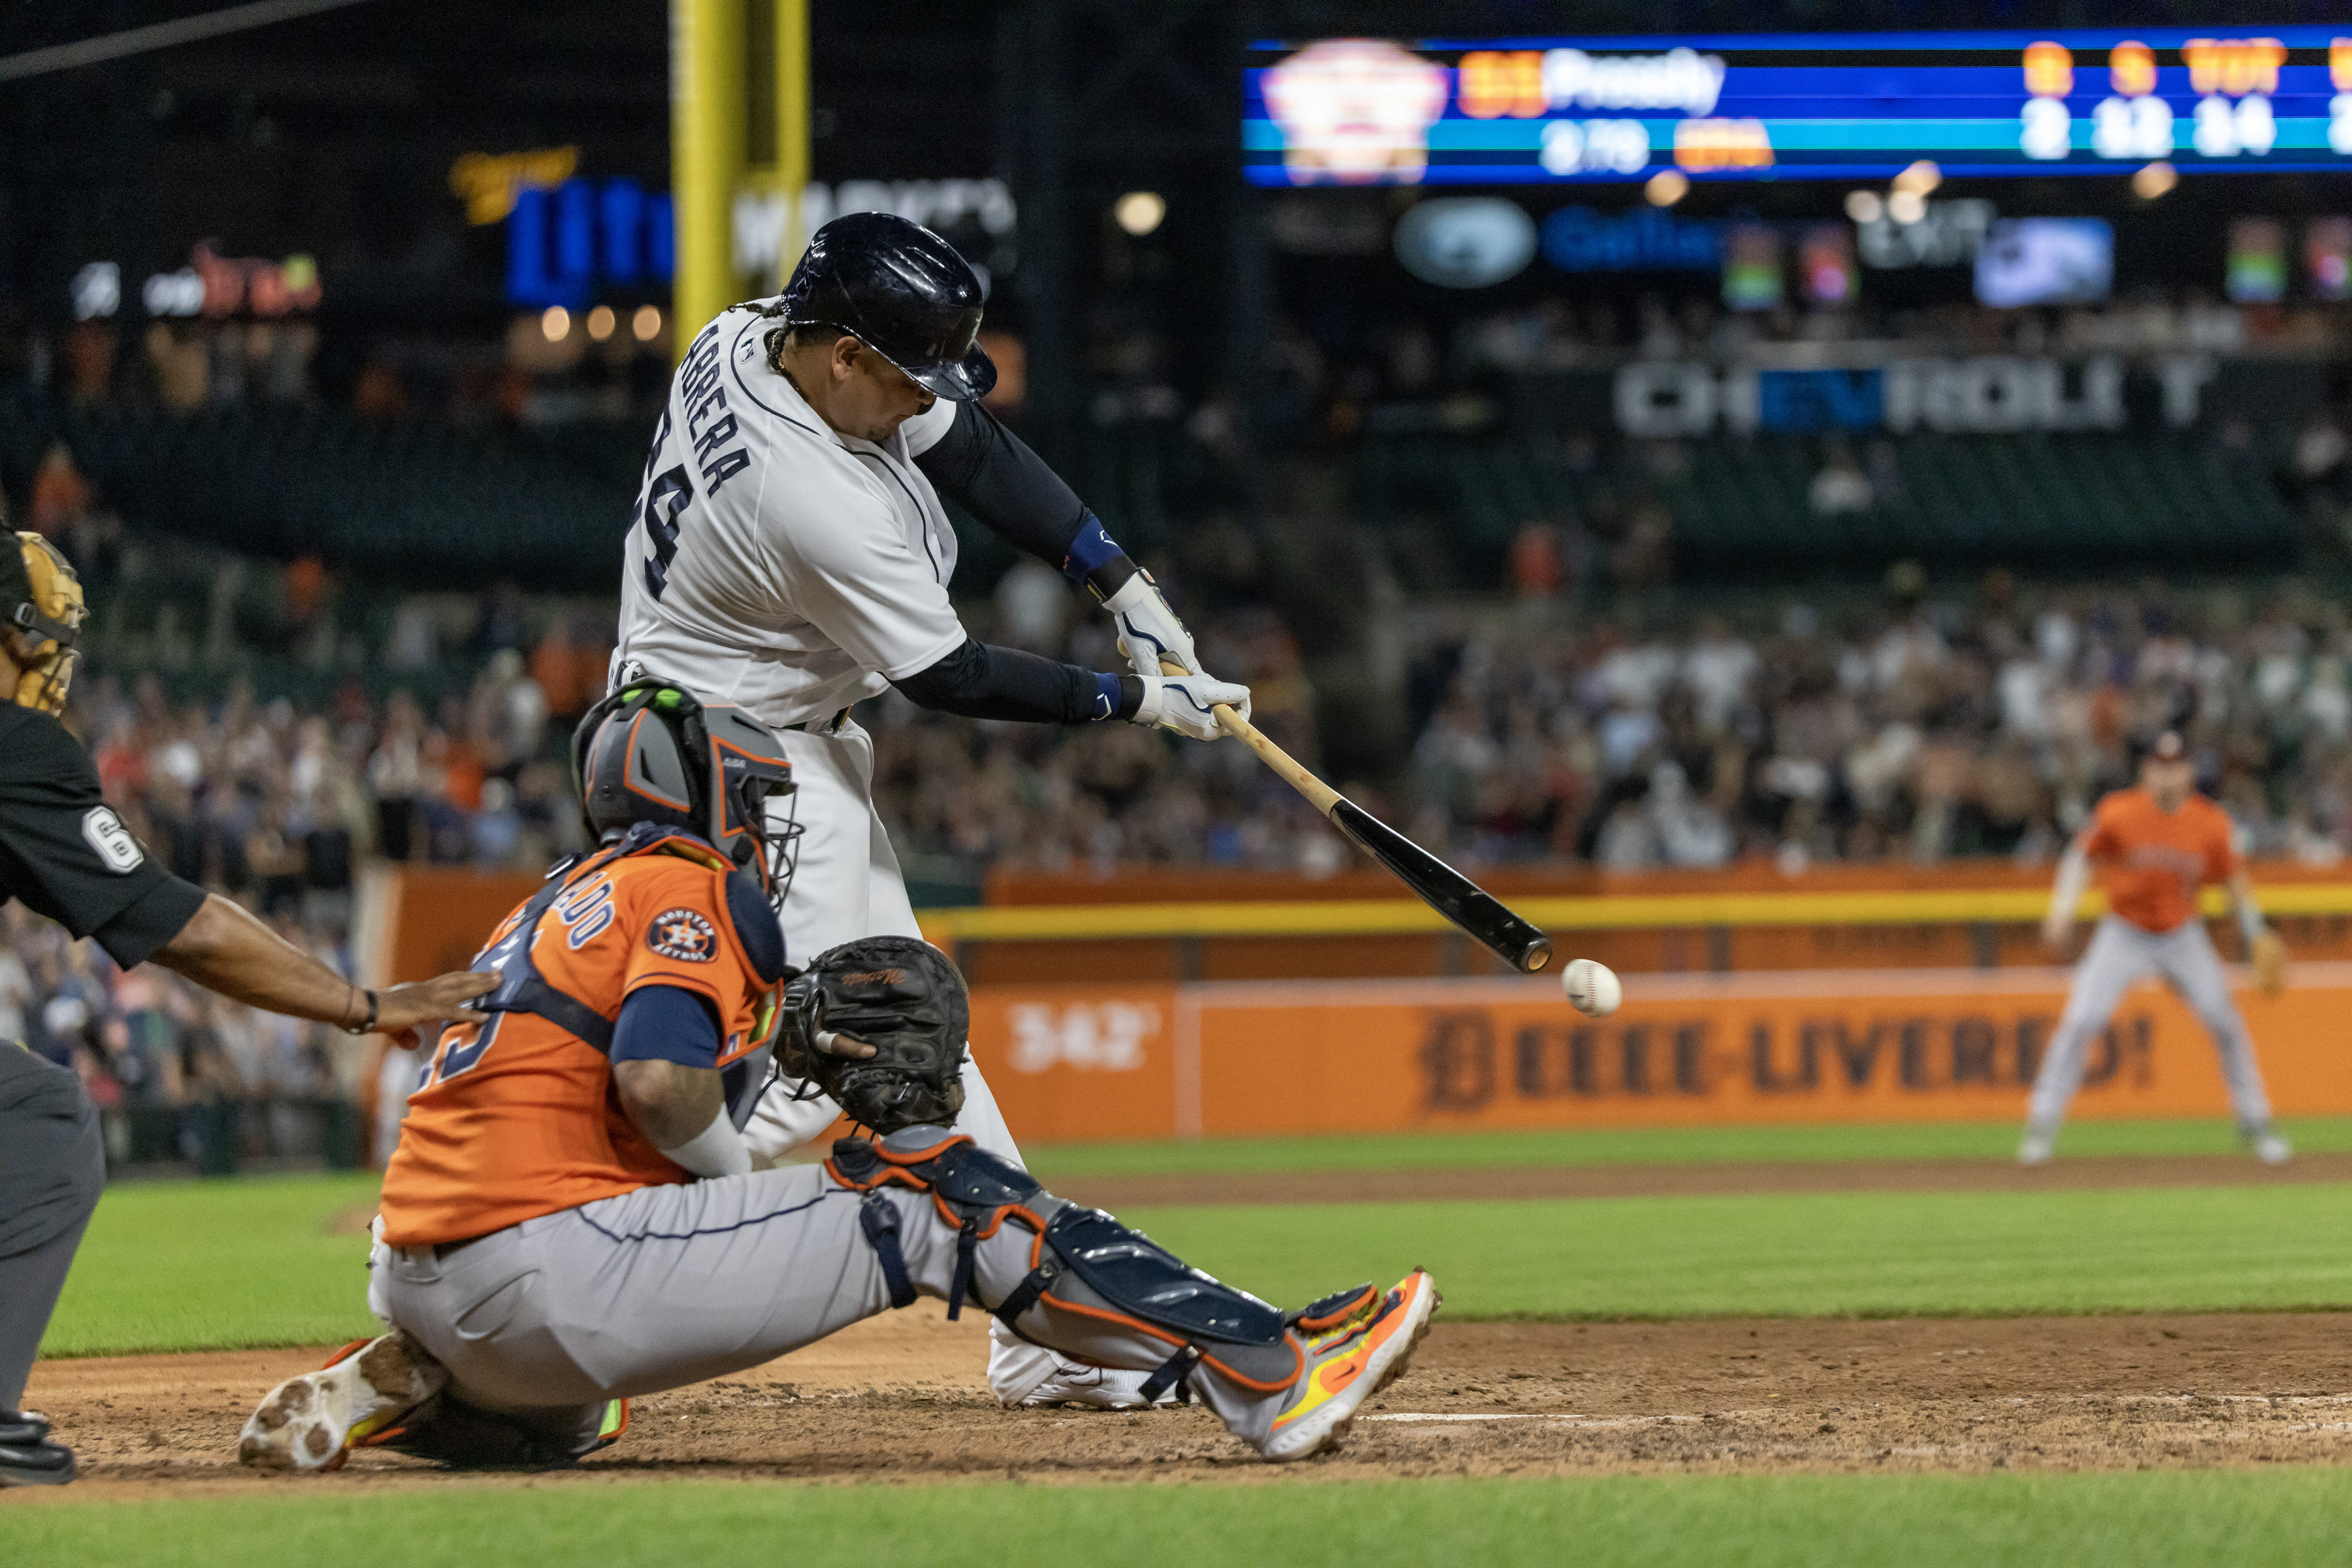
(1363,1354)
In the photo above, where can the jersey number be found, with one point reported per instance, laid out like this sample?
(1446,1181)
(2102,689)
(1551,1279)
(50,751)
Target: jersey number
(665,501)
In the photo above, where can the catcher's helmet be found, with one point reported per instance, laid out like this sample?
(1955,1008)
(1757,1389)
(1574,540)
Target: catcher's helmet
(654,752)
(901,290)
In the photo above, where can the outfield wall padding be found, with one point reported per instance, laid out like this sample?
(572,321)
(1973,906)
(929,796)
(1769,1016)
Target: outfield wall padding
(1247,1058)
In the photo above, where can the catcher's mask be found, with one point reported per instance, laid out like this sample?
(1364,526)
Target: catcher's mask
(41,614)
(654,752)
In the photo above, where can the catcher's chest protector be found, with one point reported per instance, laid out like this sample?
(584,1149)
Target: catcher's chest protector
(523,989)
(1083,1260)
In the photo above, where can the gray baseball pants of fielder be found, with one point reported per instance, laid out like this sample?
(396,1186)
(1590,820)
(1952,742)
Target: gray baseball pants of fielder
(544,1321)
(52,1168)
(2121,955)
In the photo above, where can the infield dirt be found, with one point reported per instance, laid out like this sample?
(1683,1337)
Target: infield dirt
(900,1398)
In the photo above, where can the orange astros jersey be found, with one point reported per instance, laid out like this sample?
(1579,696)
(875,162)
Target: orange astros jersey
(516,1117)
(2154,861)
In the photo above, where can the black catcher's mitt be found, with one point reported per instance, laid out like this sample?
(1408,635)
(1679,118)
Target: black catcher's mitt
(899,995)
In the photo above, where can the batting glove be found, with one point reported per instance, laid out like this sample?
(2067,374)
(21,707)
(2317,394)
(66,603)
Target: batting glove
(1148,629)
(1183,703)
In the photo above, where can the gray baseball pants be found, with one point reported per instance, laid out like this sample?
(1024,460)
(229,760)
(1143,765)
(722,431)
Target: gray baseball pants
(544,1321)
(2121,955)
(52,1169)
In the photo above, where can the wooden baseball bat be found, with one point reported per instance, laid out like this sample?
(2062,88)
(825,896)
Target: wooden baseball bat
(1435,883)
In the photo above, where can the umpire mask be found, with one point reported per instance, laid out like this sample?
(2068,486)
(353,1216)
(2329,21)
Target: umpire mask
(41,614)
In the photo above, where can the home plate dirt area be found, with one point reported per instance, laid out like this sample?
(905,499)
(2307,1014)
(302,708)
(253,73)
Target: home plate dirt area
(900,1398)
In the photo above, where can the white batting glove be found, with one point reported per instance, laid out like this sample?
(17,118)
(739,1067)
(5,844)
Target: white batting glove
(1148,629)
(1183,703)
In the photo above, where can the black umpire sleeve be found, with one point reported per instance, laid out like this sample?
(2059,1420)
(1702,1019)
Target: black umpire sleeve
(65,853)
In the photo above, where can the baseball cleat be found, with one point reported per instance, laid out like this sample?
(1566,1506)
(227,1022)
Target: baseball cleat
(2037,1148)
(2270,1147)
(1094,1388)
(314,1421)
(1347,1366)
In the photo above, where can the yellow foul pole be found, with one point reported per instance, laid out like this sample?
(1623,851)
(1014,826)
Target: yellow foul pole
(706,108)
(791,174)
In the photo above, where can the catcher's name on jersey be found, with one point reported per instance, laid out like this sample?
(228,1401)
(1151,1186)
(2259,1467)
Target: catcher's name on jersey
(2154,861)
(773,562)
(516,1117)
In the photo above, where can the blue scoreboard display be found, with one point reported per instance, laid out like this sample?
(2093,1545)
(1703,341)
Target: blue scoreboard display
(1796,106)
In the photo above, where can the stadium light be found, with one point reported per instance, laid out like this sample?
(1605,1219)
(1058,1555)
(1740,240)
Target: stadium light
(555,324)
(600,322)
(1906,206)
(1922,176)
(1864,206)
(647,323)
(2155,180)
(1667,187)
(1139,212)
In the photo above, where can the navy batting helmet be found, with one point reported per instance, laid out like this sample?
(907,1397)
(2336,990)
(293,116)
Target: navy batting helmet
(652,752)
(901,290)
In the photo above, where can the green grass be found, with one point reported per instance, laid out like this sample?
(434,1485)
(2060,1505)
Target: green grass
(1867,1255)
(179,1266)
(2243,1519)
(197,1266)
(1650,1146)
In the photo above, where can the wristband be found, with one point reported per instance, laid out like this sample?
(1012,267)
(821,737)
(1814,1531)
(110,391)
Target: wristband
(1090,551)
(1110,696)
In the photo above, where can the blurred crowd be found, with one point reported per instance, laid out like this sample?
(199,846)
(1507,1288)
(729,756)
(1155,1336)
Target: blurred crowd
(178,1073)
(1905,728)
(1885,725)
(279,804)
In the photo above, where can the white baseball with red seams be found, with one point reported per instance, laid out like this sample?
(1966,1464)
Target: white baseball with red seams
(1592,988)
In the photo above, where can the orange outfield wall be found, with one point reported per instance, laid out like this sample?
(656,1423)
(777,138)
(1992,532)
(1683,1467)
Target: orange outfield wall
(1240,1059)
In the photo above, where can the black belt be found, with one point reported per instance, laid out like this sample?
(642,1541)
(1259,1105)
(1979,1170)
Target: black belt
(822,726)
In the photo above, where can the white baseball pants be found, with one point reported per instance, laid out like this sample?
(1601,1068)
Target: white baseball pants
(846,885)
(2121,955)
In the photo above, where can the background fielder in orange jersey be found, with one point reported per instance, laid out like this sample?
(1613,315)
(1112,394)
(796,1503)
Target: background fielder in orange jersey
(517,1118)
(2157,847)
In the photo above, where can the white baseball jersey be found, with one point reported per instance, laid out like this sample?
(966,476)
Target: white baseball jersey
(773,562)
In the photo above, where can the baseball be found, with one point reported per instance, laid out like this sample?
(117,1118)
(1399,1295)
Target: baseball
(1592,988)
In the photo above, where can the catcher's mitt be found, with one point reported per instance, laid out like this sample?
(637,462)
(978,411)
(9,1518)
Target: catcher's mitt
(899,995)
(2270,962)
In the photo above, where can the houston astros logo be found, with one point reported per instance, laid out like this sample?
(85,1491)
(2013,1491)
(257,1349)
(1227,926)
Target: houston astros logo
(683,935)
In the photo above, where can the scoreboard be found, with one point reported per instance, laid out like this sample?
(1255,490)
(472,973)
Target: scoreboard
(1843,106)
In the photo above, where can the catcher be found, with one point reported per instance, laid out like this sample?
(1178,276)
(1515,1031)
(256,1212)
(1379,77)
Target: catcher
(571,1216)
(2159,845)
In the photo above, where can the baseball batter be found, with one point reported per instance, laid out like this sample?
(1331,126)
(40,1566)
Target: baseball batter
(789,555)
(545,1249)
(2158,845)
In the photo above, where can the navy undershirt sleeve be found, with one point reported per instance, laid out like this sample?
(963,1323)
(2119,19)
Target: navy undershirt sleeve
(993,474)
(980,680)
(667,1024)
